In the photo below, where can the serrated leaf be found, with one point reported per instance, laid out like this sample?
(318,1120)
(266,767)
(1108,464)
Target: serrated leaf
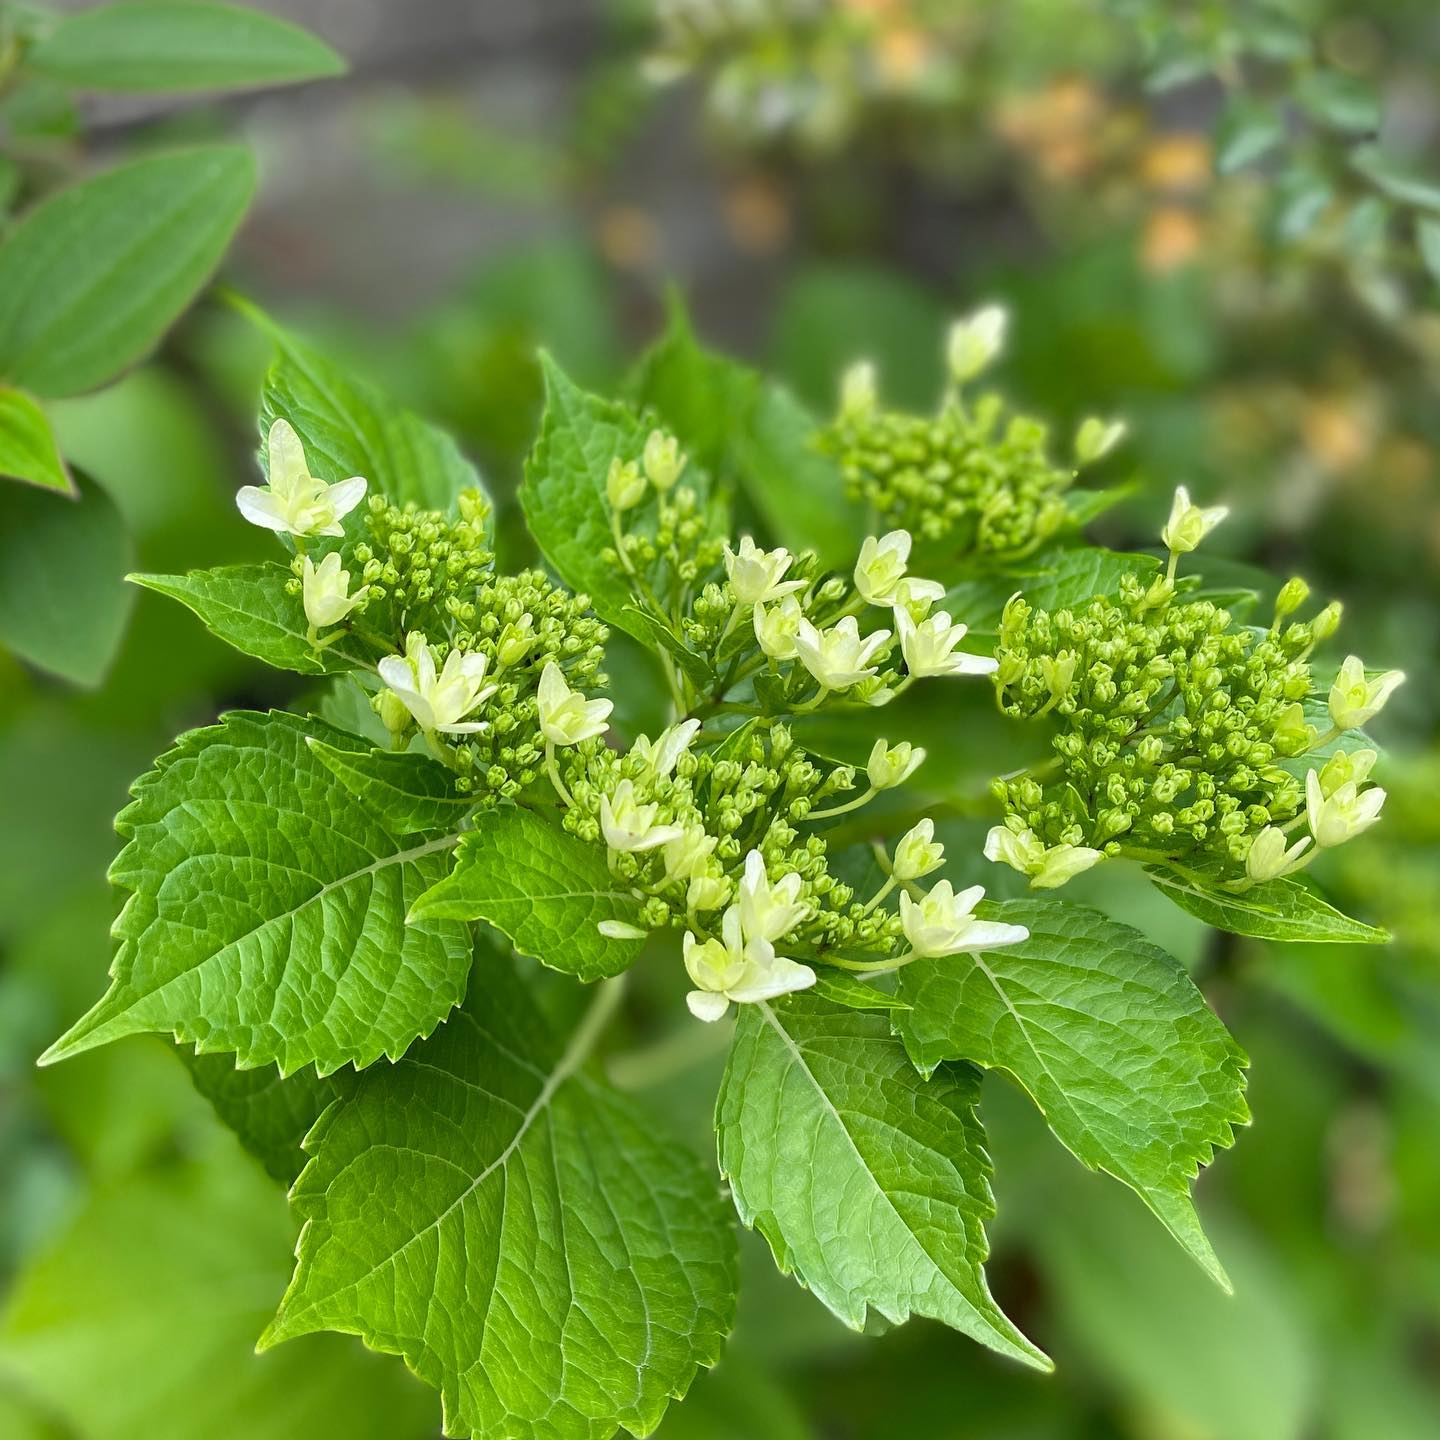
(1109,1036)
(28,449)
(546,889)
(350,427)
(415,793)
(871,1184)
(1283,909)
(247,607)
(563,493)
(856,994)
(92,277)
(513,1228)
(64,605)
(269,1113)
(267,908)
(177,47)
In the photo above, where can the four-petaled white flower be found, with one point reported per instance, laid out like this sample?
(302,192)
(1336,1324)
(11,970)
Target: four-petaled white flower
(566,716)
(929,647)
(975,341)
(881,566)
(1343,815)
(838,657)
(733,968)
(892,765)
(776,627)
(628,825)
(918,852)
(662,755)
(1188,524)
(438,701)
(1354,700)
(917,595)
(294,501)
(325,591)
(1048,867)
(943,923)
(757,576)
(1268,858)
(768,912)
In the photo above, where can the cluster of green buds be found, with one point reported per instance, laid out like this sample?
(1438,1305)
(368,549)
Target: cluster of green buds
(1181,737)
(968,479)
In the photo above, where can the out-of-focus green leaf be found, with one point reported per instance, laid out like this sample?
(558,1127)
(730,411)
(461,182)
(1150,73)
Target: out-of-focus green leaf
(1338,100)
(1248,132)
(63,600)
(1283,909)
(1396,178)
(179,46)
(1427,237)
(28,450)
(92,277)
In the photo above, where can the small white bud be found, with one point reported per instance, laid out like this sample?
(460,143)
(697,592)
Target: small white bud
(975,341)
(1188,524)
(663,461)
(624,484)
(858,391)
(892,765)
(1354,700)
(1096,438)
(917,852)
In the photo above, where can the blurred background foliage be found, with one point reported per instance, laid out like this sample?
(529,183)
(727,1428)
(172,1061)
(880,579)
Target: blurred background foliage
(1212,218)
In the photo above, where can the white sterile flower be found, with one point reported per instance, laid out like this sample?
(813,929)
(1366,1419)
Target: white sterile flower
(686,856)
(1345,766)
(838,657)
(294,501)
(628,825)
(663,460)
(438,701)
(325,591)
(1354,699)
(918,852)
(767,911)
(1188,524)
(624,484)
(734,969)
(1268,858)
(892,765)
(881,566)
(566,716)
(620,930)
(776,626)
(943,923)
(1336,818)
(917,595)
(1096,438)
(707,892)
(975,341)
(929,647)
(1048,868)
(756,575)
(661,756)
(858,391)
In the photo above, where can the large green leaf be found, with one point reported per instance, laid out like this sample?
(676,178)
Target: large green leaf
(92,277)
(350,427)
(1110,1037)
(515,1229)
(138,1322)
(179,46)
(267,908)
(63,601)
(546,889)
(28,449)
(1283,909)
(247,607)
(871,1184)
(563,492)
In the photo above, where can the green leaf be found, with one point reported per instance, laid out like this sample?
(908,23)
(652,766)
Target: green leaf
(1283,909)
(662,637)
(138,1322)
(412,791)
(856,994)
(28,448)
(350,427)
(545,888)
(513,1228)
(267,908)
(871,1185)
(179,46)
(247,607)
(92,277)
(269,1114)
(1248,132)
(1338,100)
(1107,1034)
(63,601)
(1395,178)
(563,493)
(1427,238)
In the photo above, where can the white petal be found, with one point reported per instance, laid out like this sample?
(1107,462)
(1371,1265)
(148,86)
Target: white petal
(468,727)
(345,496)
(780,977)
(991,935)
(260,507)
(707,1005)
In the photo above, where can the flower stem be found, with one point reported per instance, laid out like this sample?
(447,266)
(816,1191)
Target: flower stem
(849,805)
(553,770)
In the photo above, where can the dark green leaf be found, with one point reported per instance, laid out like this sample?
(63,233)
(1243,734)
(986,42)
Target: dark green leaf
(1284,909)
